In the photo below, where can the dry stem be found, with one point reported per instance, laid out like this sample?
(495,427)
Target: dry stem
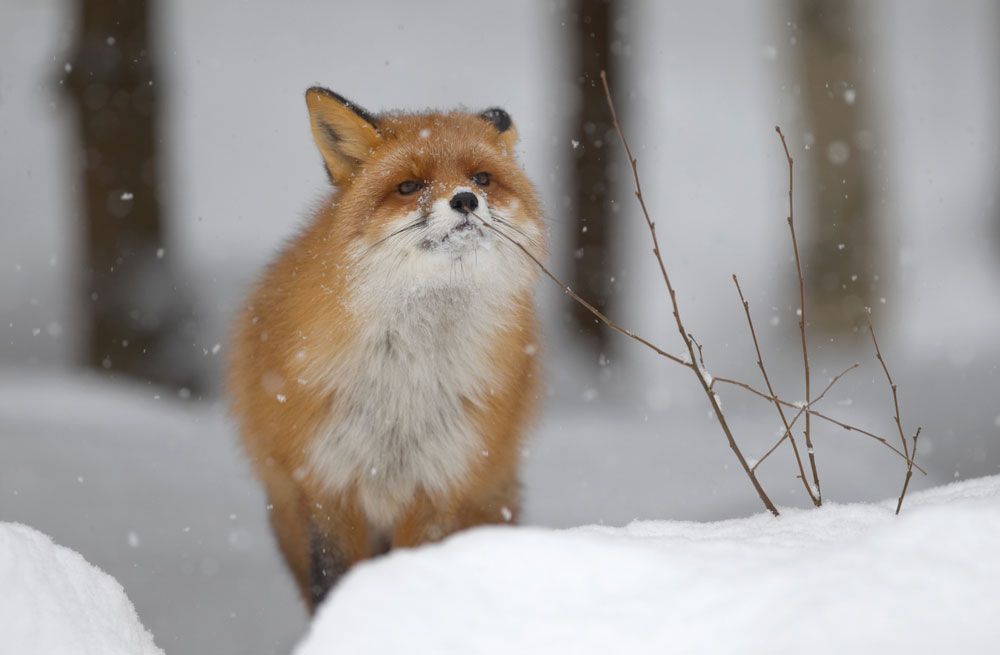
(688,341)
(802,313)
(803,410)
(909,473)
(677,360)
(593,310)
(814,497)
(892,385)
(820,415)
(899,423)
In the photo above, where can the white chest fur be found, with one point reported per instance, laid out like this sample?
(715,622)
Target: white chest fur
(399,421)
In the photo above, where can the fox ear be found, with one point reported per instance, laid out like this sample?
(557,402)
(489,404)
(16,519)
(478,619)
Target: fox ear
(344,132)
(500,119)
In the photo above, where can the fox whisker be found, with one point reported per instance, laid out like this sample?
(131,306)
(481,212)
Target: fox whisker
(506,223)
(420,222)
(498,219)
(520,246)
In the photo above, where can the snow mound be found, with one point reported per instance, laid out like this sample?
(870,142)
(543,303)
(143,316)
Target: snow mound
(53,602)
(841,579)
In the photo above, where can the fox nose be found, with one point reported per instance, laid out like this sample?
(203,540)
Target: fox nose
(464,202)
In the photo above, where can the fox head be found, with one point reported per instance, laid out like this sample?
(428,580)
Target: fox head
(427,200)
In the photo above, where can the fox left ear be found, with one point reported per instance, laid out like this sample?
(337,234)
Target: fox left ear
(500,119)
(344,132)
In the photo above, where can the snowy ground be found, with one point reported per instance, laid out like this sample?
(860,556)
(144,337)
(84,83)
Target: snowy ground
(55,603)
(841,579)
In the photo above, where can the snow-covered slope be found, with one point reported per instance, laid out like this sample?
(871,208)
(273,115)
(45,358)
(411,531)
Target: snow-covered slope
(53,602)
(841,579)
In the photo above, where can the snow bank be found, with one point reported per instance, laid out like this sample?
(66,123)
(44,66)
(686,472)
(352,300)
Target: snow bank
(841,579)
(53,602)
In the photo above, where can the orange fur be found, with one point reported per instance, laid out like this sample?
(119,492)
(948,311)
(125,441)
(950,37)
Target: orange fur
(304,315)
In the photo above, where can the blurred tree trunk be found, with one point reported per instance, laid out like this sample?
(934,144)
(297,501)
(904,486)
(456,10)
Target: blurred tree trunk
(134,311)
(593,151)
(996,124)
(841,255)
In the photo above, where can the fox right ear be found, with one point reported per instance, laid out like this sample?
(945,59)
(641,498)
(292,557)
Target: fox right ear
(344,132)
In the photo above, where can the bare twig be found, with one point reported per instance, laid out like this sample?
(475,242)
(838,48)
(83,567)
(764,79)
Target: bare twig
(899,423)
(781,412)
(892,385)
(709,393)
(909,473)
(802,313)
(802,410)
(593,310)
(677,360)
(820,415)
(701,352)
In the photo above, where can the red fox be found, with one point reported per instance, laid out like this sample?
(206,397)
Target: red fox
(383,370)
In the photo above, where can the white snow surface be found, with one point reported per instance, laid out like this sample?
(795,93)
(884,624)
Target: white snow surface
(840,579)
(54,602)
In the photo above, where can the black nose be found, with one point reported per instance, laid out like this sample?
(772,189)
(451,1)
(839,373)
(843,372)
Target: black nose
(464,202)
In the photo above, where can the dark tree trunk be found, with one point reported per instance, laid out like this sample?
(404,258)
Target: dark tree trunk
(996,123)
(594,150)
(841,255)
(135,313)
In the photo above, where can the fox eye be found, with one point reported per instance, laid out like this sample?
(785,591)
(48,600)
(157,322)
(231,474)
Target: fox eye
(482,178)
(408,187)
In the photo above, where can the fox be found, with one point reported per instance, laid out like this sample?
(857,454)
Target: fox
(383,371)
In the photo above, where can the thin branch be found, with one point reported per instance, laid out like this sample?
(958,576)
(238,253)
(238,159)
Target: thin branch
(712,398)
(593,310)
(909,473)
(781,412)
(899,423)
(892,385)
(802,312)
(819,415)
(802,410)
(677,360)
(701,353)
